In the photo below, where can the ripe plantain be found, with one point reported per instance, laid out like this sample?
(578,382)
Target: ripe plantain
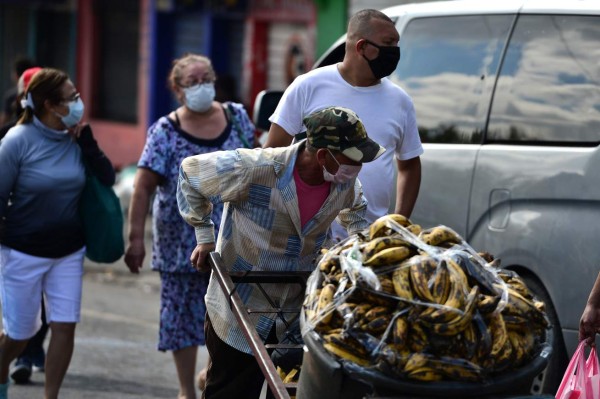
(504,358)
(376,312)
(517,347)
(469,341)
(518,284)
(381,227)
(439,235)
(425,374)
(378,325)
(292,376)
(539,305)
(347,343)
(360,311)
(486,304)
(440,289)
(401,281)
(325,299)
(458,369)
(456,297)
(388,256)
(421,271)
(345,354)
(415,229)
(418,340)
(519,306)
(416,360)
(400,332)
(328,262)
(461,321)
(387,285)
(381,243)
(498,333)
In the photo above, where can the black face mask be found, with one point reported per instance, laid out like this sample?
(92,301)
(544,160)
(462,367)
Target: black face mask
(386,62)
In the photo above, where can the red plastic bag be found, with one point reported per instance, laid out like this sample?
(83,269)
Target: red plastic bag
(582,378)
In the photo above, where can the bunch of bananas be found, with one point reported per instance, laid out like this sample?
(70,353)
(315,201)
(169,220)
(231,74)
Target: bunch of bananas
(422,305)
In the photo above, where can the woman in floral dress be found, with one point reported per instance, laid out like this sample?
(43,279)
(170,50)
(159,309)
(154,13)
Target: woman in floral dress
(199,125)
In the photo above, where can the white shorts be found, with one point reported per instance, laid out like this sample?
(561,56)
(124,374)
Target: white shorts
(23,279)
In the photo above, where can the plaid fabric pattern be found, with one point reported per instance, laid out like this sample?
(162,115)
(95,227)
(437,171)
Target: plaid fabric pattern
(261,226)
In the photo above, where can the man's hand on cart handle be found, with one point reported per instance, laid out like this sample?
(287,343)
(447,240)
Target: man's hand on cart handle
(199,256)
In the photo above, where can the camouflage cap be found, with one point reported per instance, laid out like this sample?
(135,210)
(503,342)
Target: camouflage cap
(340,129)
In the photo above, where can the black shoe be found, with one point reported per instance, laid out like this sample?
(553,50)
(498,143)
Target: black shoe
(38,361)
(21,372)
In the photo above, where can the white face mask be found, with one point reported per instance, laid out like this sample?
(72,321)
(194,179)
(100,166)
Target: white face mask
(75,114)
(344,174)
(199,98)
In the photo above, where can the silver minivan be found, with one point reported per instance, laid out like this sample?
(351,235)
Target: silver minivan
(507,95)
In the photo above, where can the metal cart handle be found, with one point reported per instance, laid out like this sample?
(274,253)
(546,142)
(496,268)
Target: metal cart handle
(239,310)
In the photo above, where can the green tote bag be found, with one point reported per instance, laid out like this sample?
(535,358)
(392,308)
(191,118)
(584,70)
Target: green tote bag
(102,221)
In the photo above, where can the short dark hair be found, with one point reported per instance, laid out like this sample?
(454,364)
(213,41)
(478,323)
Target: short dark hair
(21,64)
(360,26)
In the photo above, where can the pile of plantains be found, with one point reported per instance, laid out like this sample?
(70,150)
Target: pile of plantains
(421,305)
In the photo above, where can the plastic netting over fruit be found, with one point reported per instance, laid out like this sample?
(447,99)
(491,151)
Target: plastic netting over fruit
(421,305)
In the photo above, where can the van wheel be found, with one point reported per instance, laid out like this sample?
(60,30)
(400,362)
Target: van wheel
(547,381)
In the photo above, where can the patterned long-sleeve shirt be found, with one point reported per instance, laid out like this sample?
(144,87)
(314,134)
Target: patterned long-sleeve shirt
(261,229)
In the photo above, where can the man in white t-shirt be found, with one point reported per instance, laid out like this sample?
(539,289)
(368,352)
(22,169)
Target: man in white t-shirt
(359,83)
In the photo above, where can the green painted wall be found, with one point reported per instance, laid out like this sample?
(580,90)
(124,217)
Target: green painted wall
(332,21)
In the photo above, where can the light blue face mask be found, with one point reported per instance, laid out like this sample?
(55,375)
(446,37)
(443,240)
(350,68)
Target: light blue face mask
(75,114)
(199,98)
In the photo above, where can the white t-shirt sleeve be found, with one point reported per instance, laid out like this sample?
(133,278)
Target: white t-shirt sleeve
(289,111)
(410,147)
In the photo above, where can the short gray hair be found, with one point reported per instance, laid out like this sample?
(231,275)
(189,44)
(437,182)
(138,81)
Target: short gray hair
(360,26)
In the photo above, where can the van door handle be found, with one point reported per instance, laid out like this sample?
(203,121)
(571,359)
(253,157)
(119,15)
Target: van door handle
(499,208)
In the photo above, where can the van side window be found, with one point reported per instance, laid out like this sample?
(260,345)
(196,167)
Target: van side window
(448,66)
(549,85)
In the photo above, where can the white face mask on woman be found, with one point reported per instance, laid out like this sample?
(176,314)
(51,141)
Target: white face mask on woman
(344,174)
(75,114)
(199,98)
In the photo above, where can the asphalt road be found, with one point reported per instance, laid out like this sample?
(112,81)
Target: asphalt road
(115,346)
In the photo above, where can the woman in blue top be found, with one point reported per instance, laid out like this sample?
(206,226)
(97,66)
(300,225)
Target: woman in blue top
(41,236)
(199,125)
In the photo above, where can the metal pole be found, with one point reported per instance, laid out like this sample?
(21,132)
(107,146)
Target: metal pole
(256,344)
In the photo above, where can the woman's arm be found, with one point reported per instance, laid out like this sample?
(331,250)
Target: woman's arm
(100,165)
(145,184)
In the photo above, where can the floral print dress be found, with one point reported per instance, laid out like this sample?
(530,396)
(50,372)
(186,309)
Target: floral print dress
(182,287)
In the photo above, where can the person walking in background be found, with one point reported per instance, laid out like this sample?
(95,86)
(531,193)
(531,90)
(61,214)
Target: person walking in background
(589,324)
(200,125)
(9,109)
(280,204)
(33,356)
(22,84)
(359,83)
(41,237)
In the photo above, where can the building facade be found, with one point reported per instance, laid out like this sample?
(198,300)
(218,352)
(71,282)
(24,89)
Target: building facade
(119,52)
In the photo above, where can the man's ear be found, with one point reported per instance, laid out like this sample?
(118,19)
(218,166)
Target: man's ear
(360,46)
(321,154)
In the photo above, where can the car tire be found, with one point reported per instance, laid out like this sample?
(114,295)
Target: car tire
(548,381)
